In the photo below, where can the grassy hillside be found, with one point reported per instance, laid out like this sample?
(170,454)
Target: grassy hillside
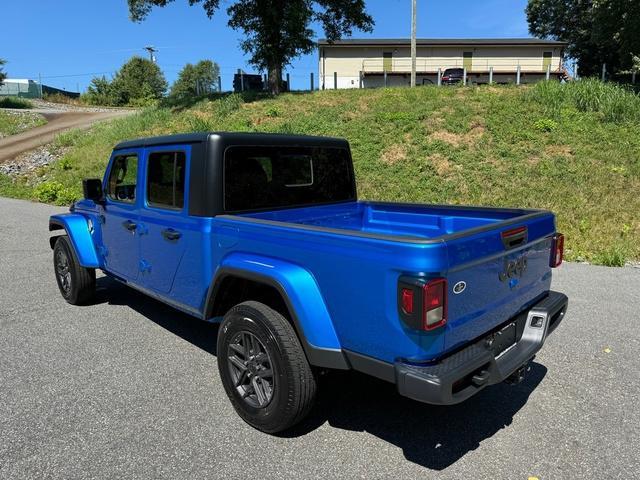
(16,122)
(574,149)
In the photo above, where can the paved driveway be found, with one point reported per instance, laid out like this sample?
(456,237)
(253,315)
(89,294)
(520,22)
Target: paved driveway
(128,388)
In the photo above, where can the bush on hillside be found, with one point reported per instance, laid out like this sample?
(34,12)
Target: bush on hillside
(139,82)
(15,102)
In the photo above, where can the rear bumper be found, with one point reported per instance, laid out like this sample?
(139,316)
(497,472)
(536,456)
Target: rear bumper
(471,369)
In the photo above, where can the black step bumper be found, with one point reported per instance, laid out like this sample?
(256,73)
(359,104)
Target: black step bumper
(471,369)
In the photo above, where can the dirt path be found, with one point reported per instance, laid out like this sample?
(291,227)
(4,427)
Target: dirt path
(58,121)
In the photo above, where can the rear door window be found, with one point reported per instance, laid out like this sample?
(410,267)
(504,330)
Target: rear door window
(166,179)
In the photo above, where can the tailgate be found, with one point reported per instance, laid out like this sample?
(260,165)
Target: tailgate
(495,274)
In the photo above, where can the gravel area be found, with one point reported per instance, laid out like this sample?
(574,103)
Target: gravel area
(30,161)
(65,107)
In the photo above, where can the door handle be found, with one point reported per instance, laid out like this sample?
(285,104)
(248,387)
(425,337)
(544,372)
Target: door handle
(171,234)
(129,225)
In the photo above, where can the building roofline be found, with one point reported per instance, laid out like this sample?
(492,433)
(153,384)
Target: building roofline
(361,42)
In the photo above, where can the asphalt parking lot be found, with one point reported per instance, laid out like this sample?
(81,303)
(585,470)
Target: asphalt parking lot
(129,388)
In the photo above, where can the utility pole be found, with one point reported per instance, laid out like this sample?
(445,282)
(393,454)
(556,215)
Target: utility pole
(413,42)
(152,52)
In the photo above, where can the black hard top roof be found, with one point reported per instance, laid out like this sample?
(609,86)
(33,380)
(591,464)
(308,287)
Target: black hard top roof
(240,138)
(442,41)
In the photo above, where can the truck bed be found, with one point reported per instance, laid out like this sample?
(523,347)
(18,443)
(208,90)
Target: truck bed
(408,222)
(371,244)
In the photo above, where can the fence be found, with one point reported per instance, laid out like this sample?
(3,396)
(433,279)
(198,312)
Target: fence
(384,73)
(20,88)
(431,65)
(31,89)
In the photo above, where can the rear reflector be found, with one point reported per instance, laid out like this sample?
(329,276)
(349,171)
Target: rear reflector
(435,304)
(557,250)
(407,300)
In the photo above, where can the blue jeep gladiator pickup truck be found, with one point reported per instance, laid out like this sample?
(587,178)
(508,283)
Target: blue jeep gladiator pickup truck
(265,234)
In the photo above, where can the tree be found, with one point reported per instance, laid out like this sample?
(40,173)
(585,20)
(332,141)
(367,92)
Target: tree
(196,79)
(277,31)
(2,74)
(100,92)
(597,31)
(138,81)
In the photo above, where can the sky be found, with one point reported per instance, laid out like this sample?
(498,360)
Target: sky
(68,42)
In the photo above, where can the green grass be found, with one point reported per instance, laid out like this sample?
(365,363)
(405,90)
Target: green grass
(15,102)
(14,122)
(562,147)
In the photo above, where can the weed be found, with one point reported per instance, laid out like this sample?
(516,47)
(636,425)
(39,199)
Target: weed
(545,125)
(613,257)
(272,112)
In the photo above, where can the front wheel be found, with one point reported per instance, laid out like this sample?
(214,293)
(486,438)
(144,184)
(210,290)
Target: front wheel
(263,368)
(76,283)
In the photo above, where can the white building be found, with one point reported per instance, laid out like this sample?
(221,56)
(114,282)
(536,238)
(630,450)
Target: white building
(358,63)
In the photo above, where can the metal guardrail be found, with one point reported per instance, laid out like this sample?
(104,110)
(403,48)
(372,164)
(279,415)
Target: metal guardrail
(432,65)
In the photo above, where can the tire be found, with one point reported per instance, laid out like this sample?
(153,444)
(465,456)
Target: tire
(292,385)
(76,283)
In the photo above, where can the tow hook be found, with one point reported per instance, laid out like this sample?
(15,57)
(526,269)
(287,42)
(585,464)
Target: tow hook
(518,376)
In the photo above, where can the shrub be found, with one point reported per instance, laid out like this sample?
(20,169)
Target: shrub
(139,83)
(54,192)
(15,102)
(60,98)
(198,79)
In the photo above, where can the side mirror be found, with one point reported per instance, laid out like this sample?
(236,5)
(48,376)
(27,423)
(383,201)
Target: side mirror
(92,188)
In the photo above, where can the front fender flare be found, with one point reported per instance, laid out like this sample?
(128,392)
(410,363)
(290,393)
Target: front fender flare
(302,296)
(77,229)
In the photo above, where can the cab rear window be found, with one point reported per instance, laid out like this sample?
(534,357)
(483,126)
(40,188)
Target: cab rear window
(261,178)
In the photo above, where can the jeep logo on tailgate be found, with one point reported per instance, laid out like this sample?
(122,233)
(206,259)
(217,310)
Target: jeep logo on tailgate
(513,268)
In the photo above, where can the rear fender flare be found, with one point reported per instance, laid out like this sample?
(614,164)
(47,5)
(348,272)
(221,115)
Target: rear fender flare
(77,228)
(302,297)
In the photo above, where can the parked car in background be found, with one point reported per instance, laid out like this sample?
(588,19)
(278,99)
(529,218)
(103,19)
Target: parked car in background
(452,76)
(265,234)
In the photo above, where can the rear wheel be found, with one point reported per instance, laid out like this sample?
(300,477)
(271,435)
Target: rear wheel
(76,283)
(263,368)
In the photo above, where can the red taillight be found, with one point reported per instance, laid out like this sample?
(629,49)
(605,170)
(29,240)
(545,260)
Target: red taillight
(445,78)
(407,300)
(557,250)
(435,304)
